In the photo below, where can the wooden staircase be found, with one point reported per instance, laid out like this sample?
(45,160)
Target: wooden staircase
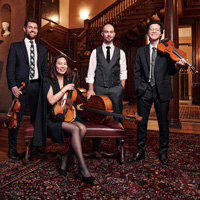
(129,18)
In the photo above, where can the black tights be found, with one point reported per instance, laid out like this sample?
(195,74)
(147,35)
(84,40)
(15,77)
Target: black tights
(77,131)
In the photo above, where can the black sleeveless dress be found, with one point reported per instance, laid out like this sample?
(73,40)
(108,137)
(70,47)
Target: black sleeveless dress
(46,125)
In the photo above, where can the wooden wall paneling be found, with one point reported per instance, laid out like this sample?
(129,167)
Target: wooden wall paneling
(196,56)
(171,32)
(197,50)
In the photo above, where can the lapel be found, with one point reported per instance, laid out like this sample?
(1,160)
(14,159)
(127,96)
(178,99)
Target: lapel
(38,54)
(157,61)
(147,56)
(23,47)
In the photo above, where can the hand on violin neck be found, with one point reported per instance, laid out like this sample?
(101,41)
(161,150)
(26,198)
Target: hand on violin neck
(16,92)
(68,87)
(180,63)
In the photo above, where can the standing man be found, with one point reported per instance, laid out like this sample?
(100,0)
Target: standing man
(152,85)
(27,62)
(107,73)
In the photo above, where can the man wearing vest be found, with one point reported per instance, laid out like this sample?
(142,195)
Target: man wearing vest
(107,73)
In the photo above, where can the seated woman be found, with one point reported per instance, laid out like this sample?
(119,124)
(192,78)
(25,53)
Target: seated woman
(52,90)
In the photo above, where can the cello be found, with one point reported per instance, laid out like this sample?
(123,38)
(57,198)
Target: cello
(167,46)
(11,118)
(64,109)
(98,109)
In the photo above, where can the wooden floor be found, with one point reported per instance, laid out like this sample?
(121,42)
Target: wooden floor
(187,127)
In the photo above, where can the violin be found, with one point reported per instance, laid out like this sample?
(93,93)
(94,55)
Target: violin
(11,117)
(64,109)
(167,46)
(98,109)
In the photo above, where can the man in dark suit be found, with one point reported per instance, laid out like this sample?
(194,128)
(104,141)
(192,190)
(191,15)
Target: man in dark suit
(152,85)
(27,62)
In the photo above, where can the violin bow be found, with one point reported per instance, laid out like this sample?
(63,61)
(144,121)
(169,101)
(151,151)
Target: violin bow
(103,112)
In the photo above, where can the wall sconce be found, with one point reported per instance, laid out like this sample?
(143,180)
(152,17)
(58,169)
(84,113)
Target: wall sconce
(84,14)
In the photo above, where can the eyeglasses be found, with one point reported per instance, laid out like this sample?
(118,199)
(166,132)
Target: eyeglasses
(154,30)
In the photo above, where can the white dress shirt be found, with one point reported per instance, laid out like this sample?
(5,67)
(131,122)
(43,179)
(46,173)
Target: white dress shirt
(93,63)
(28,45)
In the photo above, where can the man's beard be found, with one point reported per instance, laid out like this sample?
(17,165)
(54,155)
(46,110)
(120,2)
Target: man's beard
(30,37)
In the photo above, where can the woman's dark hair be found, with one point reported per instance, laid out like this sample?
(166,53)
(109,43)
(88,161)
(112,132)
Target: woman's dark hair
(52,69)
(156,22)
(30,20)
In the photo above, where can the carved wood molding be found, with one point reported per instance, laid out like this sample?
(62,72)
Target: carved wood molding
(191,3)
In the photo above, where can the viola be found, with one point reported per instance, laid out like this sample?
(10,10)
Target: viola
(167,46)
(64,109)
(11,117)
(98,109)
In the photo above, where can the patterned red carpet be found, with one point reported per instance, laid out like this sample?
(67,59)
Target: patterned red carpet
(147,179)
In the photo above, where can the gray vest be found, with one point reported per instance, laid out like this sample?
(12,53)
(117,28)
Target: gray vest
(107,74)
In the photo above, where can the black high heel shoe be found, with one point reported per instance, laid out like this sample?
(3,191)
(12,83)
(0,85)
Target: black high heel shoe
(62,171)
(84,179)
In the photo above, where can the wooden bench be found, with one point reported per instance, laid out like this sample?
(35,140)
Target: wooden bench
(113,129)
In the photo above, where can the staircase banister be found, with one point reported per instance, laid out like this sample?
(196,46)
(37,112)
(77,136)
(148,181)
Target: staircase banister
(49,20)
(82,34)
(55,50)
(106,10)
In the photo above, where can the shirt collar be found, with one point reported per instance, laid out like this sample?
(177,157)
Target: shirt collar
(111,45)
(151,46)
(26,40)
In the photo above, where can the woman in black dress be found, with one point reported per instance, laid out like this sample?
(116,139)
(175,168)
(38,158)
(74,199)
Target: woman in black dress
(53,89)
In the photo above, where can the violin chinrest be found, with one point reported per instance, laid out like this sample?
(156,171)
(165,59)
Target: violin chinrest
(60,116)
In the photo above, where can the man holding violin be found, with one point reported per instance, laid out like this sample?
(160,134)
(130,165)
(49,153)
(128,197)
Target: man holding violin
(152,85)
(107,73)
(27,62)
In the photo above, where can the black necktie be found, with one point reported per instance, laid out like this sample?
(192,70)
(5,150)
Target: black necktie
(108,54)
(32,61)
(153,59)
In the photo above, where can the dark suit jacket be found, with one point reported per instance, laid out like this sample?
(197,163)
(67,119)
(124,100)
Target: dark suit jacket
(18,64)
(164,67)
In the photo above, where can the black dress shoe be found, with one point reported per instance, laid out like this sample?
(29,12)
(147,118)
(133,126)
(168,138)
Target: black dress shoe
(13,154)
(62,171)
(40,151)
(164,159)
(84,179)
(89,179)
(138,156)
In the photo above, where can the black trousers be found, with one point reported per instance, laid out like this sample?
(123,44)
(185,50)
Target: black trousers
(31,97)
(161,108)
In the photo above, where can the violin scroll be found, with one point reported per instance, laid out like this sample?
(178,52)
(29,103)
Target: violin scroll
(137,117)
